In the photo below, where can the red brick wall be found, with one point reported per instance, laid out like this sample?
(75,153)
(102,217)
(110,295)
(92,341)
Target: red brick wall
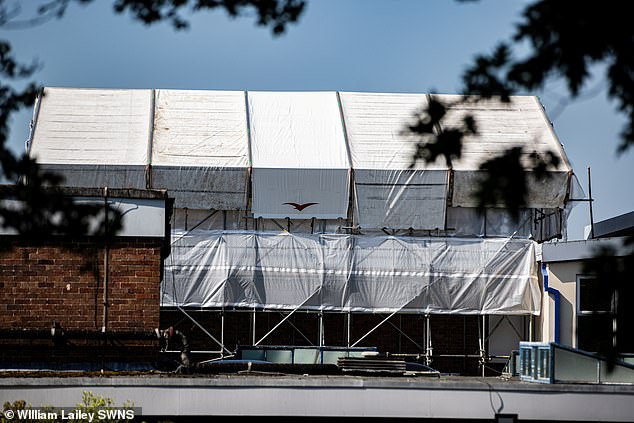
(62,280)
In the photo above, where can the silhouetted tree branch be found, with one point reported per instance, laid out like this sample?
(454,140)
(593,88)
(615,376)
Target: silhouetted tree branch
(566,39)
(274,13)
(613,273)
(40,208)
(445,142)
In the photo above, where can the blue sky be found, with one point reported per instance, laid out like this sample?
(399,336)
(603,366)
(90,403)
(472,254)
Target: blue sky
(346,45)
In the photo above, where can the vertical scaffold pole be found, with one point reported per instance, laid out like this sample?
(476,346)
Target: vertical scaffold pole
(428,345)
(349,325)
(483,340)
(253,327)
(222,331)
(321,329)
(530,328)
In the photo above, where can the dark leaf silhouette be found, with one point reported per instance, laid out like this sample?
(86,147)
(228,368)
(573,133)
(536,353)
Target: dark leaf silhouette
(36,207)
(613,273)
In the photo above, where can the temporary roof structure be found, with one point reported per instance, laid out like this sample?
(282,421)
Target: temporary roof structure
(306,155)
(193,143)
(283,154)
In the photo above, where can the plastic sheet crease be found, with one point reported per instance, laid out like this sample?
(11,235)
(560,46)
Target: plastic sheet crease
(351,273)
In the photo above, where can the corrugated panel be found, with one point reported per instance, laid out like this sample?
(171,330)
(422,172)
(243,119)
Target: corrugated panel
(200,151)
(300,160)
(390,190)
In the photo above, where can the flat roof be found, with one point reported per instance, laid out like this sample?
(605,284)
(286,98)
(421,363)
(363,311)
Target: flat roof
(578,250)
(335,396)
(615,226)
(142,194)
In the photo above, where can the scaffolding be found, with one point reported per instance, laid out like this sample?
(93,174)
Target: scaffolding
(293,204)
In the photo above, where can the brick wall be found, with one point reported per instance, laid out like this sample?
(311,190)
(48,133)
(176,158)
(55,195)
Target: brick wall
(62,280)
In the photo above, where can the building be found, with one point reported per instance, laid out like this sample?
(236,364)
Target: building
(300,219)
(293,225)
(580,311)
(85,302)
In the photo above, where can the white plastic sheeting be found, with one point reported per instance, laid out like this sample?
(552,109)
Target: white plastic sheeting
(537,224)
(390,190)
(299,155)
(300,193)
(501,126)
(94,137)
(200,151)
(352,273)
(400,198)
(542,193)
(305,149)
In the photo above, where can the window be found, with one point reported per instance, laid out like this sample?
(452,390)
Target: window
(595,315)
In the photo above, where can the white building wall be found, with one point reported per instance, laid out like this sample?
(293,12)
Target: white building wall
(562,276)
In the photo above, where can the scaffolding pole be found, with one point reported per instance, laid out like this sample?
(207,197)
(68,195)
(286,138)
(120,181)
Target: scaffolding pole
(530,328)
(348,329)
(201,327)
(253,328)
(428,345)
(321,329)
(482,339)
(376,327)
(283,320)
(222,331)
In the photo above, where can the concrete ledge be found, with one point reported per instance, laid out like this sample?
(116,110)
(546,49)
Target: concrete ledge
(292,381)
(133,193)
(340,396)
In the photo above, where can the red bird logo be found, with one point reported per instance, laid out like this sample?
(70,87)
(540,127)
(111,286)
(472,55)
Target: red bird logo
(300,207)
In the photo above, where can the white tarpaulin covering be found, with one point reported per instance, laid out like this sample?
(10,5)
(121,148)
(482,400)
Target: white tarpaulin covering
(400,198)
(200,151)
(352,273)
(389,191)
(501,126)
(199,146)
(94,137)
(300,161)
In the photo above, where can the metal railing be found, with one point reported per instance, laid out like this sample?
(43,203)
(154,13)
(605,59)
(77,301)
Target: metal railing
(554,363)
